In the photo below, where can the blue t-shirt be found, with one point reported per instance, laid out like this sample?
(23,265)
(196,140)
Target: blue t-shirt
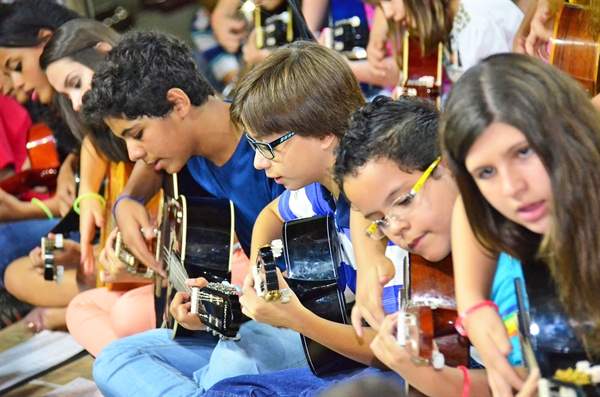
(316,200)
(505,296)
(237,180)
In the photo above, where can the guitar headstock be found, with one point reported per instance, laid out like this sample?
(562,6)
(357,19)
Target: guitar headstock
(130,262)
(49,245)
(218,307)
(265,271)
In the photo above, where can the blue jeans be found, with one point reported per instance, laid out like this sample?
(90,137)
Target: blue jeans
(298,382)
(153,364)
(18,238)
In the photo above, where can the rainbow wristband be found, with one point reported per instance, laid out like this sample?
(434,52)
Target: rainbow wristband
(83,197)
(459,320)
(43,207)
(125,196)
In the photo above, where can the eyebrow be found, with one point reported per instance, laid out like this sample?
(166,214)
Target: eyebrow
(67,78)
(510,149)
(392,194)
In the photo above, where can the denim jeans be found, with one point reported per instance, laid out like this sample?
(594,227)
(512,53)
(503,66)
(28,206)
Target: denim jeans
(298,382)
(18,238)
(153,364)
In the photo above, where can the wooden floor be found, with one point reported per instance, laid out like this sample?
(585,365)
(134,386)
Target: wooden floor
(80,368)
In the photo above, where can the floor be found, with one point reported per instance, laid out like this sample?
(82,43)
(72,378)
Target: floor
(80,368)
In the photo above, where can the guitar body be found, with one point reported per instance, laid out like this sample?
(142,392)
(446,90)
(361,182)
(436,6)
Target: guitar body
(197,241)
(550,339)
(44,163)
(434,282)
(573,49)
(421,75)
(117,177)
(312,259)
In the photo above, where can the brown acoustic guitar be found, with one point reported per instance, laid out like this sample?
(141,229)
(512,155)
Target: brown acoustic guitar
(574,50)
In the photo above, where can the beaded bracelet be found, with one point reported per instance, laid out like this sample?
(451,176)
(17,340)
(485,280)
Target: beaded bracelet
(467,381)
(121,197)
(83,197)
(43,207)
(458,324)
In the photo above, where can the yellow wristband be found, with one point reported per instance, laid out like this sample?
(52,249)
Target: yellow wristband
(87,195)
(43,207)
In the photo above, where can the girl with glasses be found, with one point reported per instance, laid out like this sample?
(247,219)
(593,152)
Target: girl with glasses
(525,160)
(388,166)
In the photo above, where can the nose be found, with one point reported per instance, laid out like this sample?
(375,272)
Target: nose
(17,80)
(398,227)
(135,151)
(76,101)
(512,182)
(260,162)
(388,9)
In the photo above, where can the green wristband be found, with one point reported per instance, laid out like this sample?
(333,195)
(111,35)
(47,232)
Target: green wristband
(43,207)
(87,195)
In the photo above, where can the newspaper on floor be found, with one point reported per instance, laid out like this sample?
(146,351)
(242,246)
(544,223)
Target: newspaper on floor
(44,351)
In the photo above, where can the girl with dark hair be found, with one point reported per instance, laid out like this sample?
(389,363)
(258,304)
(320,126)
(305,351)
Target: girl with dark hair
(24,29)
(523,142)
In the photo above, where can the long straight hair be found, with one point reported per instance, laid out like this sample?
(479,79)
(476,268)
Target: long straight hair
(559,122)
(77,40)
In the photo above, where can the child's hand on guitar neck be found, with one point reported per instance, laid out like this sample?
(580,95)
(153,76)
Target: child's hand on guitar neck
(113,269)
(131,217)
(275,313)
(180,307)
(488,335)
(541,29)
(369,291)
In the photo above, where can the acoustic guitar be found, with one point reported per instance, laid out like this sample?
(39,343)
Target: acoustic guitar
(312,256)
(197,241)
(44,163)
(421,75)
(574,50)
(550,339)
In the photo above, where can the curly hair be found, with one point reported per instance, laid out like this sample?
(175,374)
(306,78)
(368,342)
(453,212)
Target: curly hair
(404,131)
(136,75)
(21,21)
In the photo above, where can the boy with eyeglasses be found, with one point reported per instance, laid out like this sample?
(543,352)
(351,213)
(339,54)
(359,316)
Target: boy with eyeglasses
(389,167)
(151,94)
(295,118)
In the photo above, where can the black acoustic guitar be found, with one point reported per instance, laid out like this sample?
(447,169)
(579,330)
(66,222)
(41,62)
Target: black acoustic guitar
(550,339)
(198,242)
(312,255)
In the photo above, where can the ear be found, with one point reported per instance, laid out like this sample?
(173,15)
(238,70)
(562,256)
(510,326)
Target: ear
(103,47)
(329,142)
(180,100)
(44,34)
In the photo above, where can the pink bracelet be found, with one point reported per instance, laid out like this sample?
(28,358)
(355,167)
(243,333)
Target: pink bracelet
(459,320)
(467,382)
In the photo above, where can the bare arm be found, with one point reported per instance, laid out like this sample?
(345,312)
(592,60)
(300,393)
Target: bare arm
(266,229)
(92,169)
(431,382)
(132,216)
(373,271)
(474,270)
(315,14)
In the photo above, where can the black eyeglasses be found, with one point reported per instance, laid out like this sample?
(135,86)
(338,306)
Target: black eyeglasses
(266,148)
